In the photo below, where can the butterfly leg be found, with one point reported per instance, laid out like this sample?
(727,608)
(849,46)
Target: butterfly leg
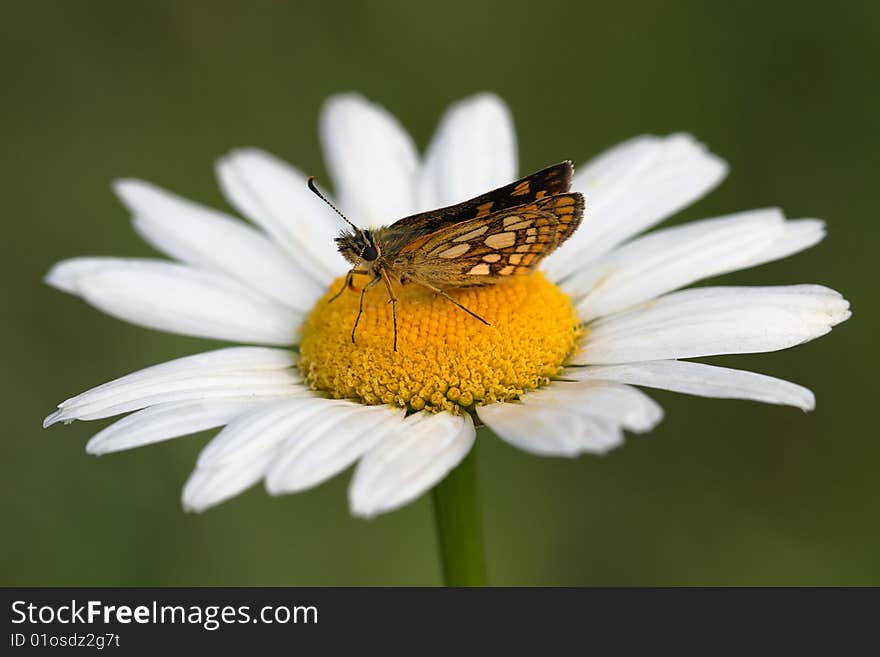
(393,301)
(449,298)
(349,283)
(361,305)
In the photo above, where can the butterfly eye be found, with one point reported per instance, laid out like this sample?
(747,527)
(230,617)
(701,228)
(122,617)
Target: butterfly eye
(370,253)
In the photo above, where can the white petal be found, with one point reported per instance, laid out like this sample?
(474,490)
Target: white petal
(177,299)
(257,386)
(550,433)
(207,487)
(65,275)
(567,419)
(472,152)
(672,258)
(267,441)
(229,373)
(328,445)
(799,234)
(701,380)
(621,404)
(166,421)
(275,196)
(371,159)
(422,450)
(264,428)
(632,187)
(200,236)
(714,320)
(242,454)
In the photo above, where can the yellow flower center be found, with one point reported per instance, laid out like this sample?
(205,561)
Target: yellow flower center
(445,359)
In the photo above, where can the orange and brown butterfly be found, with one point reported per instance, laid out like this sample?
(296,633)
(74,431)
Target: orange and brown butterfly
(505,232)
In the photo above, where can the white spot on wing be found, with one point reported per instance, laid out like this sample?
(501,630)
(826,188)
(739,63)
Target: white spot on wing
(455,251)
(500,240)
(471,235)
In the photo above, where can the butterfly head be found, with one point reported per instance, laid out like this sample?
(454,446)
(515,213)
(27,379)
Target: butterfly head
(359,246)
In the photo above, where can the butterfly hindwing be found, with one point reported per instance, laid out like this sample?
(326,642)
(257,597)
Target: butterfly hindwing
(548,182)
(568,210)
(481,250)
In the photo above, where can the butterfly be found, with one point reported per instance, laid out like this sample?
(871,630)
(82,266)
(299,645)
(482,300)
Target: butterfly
(504,232)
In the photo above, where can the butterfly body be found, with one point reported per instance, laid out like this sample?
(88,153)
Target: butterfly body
(505,232)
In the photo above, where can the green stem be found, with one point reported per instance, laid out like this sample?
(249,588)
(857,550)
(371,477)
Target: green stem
(459,534)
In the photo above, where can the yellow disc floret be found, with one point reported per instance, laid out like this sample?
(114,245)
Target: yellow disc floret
(445,359)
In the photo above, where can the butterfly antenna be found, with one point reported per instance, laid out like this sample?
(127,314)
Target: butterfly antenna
(318,193)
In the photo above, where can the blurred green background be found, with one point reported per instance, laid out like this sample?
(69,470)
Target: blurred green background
(723,492)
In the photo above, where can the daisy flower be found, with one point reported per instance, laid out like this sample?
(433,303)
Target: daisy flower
(558,372)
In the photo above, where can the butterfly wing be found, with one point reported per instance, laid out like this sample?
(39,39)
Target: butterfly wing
(553,180)
(482,250)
